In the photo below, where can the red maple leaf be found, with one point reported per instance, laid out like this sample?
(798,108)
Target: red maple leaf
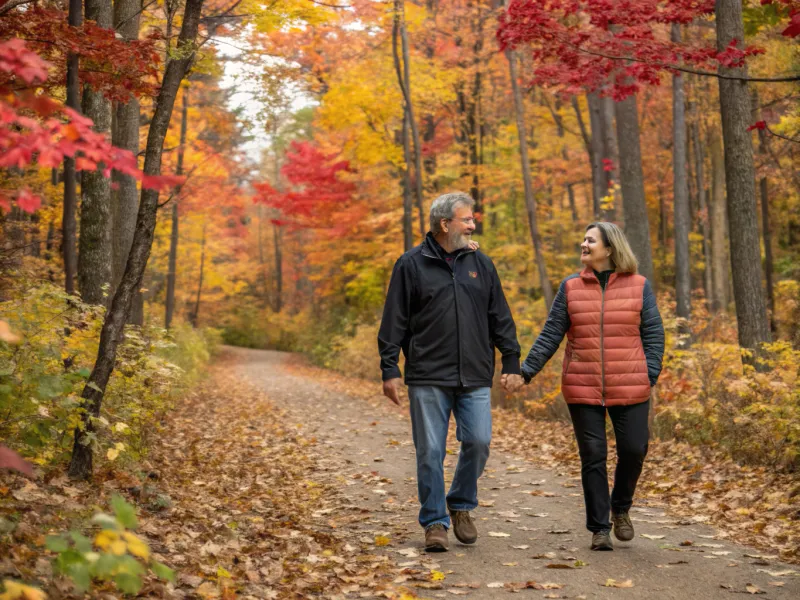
(28,202)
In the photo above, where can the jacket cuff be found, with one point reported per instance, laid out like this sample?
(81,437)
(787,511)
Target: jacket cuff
(511,364)
(392,373)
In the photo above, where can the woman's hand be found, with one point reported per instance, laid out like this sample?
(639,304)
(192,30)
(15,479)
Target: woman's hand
(511,382)
(473,245)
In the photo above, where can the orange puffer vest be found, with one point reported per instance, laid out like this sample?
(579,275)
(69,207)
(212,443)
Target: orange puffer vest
(605,362)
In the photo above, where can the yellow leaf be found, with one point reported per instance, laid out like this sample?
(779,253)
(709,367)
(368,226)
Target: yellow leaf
(437,575)
(221,572)
(136,546)
(19,591)
(118,548)
(381,540)
(618,584)
(105,538)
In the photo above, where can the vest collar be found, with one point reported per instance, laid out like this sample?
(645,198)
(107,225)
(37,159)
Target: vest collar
(588,275)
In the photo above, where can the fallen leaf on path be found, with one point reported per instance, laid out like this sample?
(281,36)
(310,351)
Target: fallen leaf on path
(652,537)
(522,547)
(437,575)
(498,534)
(495,584)
(457,592)
(618,584)
(777,583)
(558,566)
(549,555)
(752,589)
(559,531)
(783,573)
(509,514)
(486,503)
(510,564)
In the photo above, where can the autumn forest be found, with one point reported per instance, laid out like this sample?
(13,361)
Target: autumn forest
(179,177)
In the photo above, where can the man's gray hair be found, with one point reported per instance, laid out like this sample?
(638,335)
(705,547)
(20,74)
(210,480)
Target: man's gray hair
(444,207)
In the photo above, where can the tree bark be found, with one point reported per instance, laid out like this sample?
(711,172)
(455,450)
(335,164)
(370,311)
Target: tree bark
(680,186)
(637,226)
(599,180)
(408,233)
(611,154)
(113,325)
(751,310)
(719,227)
(69,225)
(125,134)
(94,266)
(530,199)
(763,186)
(405,85)
(173,238)
(195,315)
(702,200)
(276,236)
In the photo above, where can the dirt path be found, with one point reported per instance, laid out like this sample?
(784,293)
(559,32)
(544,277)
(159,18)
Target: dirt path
(530,520)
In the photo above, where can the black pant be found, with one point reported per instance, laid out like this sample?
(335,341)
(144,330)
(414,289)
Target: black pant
(632,433)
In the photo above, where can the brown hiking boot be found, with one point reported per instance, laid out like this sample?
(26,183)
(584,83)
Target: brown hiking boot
(601,540)
(623,528)
(436,538)
(464,526)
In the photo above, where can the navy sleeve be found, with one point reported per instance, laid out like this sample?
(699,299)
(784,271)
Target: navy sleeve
(396,316)
(502,327)
(652,332)
(549,340)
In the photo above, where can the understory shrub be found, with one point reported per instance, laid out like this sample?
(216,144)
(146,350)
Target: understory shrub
(43,375)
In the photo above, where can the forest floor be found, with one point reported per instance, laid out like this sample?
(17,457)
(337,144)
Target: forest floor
(277,480)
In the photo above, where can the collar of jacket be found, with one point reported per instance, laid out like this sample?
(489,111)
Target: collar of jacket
(430,248)
(588,274)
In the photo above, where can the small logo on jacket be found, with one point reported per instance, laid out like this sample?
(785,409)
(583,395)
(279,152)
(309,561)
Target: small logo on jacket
(473,274)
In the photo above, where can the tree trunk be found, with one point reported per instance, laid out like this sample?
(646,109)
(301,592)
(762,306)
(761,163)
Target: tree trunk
(94,266)
(719,227)
(113,325)
(680,186)
(173,238)
(767,234)
(405,85)
(610,169)
(530,200)
(408,233)
(195,315)
(587,144)
(559,122)
(599,179)
(125,134)
(278,303)
(702,201)
(637,226)
(69,225)
(751,310)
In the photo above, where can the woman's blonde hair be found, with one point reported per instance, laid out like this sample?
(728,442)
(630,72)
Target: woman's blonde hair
(622,257)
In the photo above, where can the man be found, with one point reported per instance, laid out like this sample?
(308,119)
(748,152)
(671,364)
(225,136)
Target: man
(445,308)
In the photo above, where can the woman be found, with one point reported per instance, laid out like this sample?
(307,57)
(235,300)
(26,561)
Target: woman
(613,359)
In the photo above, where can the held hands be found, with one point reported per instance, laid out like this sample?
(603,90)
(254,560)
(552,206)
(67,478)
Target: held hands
(473,245)
(511,382)
(391,389)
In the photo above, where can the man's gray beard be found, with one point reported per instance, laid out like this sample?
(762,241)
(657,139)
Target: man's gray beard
(457,240)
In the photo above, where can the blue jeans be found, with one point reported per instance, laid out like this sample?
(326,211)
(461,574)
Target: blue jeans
(430,416)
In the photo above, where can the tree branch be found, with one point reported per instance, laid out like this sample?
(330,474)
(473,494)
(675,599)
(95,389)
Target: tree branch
(788,78)
(12,4)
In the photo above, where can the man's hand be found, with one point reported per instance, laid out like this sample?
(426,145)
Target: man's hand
(391,389)
(511,382)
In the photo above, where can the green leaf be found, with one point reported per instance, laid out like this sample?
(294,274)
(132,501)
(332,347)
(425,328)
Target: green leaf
(56,543)
(94,386)
(129,584)
(79,573)
(125,513)
(163,571)
(82,543)
(104,566)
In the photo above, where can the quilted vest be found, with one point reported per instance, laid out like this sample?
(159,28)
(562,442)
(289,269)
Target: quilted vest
(604,362)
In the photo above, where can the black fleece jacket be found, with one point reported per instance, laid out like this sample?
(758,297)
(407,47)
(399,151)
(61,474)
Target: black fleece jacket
(447,319)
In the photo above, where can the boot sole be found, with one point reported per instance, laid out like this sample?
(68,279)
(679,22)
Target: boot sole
(436,548)
(603,548)
(623,538)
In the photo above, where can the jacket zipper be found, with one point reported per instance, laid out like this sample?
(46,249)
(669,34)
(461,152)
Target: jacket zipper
(455,296)
(602,344)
